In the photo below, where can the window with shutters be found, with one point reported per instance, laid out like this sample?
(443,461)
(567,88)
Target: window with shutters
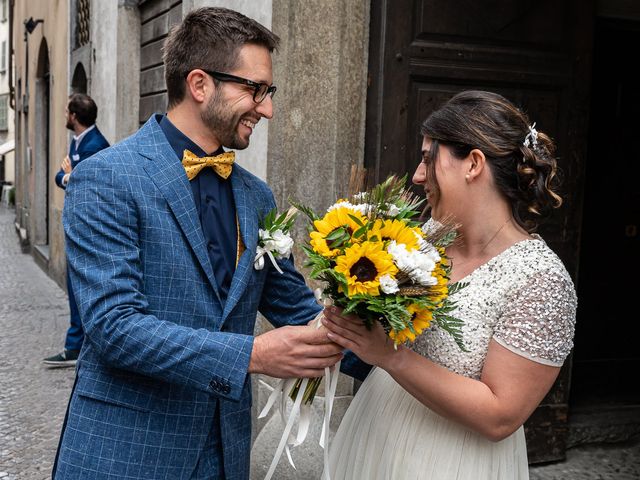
(3,57)
(82,23)
(4,104)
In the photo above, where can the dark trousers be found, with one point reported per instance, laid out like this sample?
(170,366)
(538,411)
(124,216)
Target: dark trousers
(75,334)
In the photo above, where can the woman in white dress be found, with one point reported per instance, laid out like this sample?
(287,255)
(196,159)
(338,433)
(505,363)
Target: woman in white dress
(429,410)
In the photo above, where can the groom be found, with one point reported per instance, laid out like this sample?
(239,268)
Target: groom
(162,263)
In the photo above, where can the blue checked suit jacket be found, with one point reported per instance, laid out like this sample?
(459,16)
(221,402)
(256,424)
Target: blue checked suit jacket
(162,349)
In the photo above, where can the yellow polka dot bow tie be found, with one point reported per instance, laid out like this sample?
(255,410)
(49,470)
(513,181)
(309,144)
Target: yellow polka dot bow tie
(222,164)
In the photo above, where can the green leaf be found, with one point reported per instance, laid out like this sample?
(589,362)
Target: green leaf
(281,218)
(267,222)
(356,219)
(306,210)
(337,233)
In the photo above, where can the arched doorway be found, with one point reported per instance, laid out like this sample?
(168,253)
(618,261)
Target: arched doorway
(79,79)
(41,147)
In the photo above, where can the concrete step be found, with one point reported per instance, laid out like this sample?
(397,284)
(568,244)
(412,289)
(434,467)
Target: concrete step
(603,423)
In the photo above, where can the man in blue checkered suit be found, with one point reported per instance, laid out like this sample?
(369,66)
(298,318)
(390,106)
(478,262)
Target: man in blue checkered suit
(163,269)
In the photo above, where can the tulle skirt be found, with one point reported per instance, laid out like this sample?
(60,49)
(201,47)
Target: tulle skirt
(386,434)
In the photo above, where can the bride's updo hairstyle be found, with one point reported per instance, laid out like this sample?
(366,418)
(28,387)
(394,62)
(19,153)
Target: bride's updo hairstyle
(521,159)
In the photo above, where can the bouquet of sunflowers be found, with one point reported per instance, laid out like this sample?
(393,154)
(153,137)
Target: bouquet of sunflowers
(377,262)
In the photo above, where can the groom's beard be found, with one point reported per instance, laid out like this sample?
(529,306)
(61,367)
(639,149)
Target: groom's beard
(223,122)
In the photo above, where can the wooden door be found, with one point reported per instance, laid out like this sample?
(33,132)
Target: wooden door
(537,54)
(606,357)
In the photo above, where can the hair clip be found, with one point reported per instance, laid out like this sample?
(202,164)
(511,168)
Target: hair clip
(531,140)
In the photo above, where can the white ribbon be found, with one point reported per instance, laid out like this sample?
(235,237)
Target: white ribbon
(331,380)
(258,263)
(289,424)
(281,392)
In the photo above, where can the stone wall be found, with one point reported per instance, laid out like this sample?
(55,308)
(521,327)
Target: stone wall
(316,134)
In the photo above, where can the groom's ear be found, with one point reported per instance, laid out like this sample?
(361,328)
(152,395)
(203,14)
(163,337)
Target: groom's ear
(198,86)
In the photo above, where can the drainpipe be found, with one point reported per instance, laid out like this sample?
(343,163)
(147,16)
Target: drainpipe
(12,93)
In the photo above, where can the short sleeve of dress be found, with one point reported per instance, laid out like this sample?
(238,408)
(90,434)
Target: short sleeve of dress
(538,322)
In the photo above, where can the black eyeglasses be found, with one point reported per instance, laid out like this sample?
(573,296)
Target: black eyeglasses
(260,90)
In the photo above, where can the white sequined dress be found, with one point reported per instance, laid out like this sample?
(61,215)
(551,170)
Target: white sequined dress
(525,300)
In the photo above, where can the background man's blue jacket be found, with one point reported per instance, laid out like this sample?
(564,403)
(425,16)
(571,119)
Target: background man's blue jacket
(92,143)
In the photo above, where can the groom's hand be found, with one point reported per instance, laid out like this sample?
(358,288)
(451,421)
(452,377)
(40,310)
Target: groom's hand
(294,352)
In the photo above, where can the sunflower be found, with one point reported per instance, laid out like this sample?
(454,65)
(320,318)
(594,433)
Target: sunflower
(440,291)
(332,221)
(363,265)
(420,319)
(396,230)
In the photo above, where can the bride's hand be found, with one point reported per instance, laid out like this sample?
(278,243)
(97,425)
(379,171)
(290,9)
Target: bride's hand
(372,346)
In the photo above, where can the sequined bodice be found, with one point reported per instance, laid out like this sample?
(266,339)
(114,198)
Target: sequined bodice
(523,298)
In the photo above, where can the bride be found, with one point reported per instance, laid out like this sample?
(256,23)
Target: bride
(429,410)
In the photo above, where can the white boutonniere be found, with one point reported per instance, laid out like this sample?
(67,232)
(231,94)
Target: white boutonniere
(274,240)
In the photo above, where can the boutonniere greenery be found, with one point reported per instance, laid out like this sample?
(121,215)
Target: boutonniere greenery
(274,239)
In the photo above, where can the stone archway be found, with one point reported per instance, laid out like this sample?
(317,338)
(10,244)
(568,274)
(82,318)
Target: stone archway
(41,147)
(79,83)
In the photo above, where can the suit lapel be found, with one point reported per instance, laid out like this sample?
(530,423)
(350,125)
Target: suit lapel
(168,175)
(248,222)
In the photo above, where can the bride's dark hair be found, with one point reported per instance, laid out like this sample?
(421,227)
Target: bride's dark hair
(525,172)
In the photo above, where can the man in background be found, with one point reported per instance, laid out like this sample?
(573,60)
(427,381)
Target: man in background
(81,113)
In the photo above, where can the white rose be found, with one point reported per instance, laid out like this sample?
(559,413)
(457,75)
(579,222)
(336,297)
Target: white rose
(339,205)
(391,210)
(422,277)
(401,256)
(417,265)
(281,243)
(388,284)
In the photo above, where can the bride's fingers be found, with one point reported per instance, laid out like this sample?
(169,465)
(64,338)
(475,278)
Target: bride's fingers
(351,322)
(338,313)
(341,331)
(344,342)
(343,327)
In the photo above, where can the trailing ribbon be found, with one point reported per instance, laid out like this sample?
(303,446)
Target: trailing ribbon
(258,263)
(281,392)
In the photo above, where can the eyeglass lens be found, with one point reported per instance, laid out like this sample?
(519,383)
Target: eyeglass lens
(262,91)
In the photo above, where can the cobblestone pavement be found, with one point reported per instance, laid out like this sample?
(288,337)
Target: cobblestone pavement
(620,461)
(33,399)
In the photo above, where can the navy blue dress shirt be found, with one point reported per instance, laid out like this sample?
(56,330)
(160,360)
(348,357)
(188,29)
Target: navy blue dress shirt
(213,197)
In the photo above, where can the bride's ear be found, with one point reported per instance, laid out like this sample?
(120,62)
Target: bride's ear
(476,165)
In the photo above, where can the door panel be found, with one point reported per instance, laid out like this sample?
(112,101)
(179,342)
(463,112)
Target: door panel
(538,55)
